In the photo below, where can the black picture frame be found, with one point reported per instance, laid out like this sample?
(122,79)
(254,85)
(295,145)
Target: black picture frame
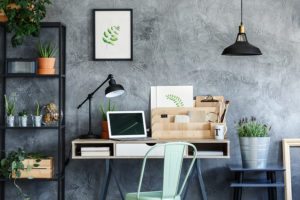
(130,58)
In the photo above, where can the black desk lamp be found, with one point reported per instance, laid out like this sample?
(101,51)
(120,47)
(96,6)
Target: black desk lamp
(113,90)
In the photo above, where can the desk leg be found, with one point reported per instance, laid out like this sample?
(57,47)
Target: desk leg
(189,182)
(106,180)
(116,180)
(200,179)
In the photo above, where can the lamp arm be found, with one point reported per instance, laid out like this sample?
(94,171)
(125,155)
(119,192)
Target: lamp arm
(90,96)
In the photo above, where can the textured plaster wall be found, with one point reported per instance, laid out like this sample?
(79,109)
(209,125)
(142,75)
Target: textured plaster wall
(176,42)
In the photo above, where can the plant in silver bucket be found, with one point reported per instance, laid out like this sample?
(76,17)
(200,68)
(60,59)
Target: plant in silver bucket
(37,116)
(23,118)
(254,142)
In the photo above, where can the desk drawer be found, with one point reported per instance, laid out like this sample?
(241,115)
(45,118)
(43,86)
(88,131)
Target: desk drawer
(138,150)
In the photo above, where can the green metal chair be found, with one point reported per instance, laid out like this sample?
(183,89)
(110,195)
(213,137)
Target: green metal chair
(173,159)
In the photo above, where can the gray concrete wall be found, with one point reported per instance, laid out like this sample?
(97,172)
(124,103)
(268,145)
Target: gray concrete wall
(176,42)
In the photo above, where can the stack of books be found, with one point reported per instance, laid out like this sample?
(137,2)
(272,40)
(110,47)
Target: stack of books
(94,151)
(210,153)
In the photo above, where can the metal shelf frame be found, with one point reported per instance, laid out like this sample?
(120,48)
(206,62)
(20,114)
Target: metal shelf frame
(61,78)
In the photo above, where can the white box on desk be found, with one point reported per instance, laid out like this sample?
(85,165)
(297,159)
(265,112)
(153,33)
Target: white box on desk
(133,149)
(139,150)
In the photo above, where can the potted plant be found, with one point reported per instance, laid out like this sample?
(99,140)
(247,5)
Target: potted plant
(23,118)
(37,116)
(46,58)
(104,124)
(10,106)
(254,142)
(23,18)
(13,165)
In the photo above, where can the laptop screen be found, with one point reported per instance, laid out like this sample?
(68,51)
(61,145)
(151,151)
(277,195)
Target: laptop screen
(126,124)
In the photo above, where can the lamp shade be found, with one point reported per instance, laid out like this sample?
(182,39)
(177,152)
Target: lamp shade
(114,89)
(241,47)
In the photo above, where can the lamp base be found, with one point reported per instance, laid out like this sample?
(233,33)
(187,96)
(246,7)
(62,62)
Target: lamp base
(89,136)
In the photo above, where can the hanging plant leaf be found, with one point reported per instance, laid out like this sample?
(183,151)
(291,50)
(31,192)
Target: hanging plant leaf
(23,18)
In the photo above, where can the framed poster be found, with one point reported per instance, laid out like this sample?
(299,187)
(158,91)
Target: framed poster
(112,34)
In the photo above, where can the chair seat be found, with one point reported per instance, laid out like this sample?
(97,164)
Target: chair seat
(155,195)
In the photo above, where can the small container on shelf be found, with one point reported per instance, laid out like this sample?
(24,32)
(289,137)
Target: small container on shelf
(21,66)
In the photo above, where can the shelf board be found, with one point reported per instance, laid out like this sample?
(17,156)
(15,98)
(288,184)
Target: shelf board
(32,127)
(55,178)
(274,168)
(256,185)
(32,76)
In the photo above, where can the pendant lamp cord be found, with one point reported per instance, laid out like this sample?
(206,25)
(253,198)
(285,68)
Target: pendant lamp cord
(241,11)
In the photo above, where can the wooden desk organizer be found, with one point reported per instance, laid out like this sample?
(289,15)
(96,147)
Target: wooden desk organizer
(166,128)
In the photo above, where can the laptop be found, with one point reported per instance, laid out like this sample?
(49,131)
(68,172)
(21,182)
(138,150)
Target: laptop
(127,125)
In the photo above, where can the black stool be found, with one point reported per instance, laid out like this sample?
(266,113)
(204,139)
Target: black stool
(269,182)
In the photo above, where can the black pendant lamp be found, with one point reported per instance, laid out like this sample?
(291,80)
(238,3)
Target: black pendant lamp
(241,47)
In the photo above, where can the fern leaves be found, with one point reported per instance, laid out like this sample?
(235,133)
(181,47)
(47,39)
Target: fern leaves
(110,36)
(175,99)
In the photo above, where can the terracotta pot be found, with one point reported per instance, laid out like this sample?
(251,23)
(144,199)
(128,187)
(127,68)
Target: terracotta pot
(104,133)
(46,71)
(46,63)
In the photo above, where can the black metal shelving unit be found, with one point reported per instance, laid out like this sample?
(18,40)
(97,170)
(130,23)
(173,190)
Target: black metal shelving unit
(61,78)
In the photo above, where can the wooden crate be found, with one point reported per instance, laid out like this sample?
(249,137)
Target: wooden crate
(44,170)
(166,128)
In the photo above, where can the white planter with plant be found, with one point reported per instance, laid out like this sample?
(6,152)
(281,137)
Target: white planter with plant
(23,118)
(37,117)
(10,106)
(254,143)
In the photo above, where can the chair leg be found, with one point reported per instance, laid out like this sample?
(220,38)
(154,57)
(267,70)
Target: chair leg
(106,180)
(200,179)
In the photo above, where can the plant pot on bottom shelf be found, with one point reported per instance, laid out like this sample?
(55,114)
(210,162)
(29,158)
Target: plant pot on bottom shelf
(104,133)
(45,169)
(254,151)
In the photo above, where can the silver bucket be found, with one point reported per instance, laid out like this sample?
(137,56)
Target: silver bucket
(254,151)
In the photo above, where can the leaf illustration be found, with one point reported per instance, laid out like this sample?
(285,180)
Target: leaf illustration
(110,36)
(175,99)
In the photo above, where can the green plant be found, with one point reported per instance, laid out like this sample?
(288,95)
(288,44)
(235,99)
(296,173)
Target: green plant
(175,99)
(24,19)
(10,106)
(110,36)
(12,165)
(23,113)
(252,128)
(37,111)
(46,50)
(109,107)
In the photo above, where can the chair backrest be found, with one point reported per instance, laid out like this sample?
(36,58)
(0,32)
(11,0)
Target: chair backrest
(173,159)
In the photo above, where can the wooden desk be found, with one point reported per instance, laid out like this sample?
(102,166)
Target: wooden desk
(201,145)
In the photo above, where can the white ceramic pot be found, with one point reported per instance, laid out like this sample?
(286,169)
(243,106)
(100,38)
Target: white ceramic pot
(24,120)
(10,121)
(38,121)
